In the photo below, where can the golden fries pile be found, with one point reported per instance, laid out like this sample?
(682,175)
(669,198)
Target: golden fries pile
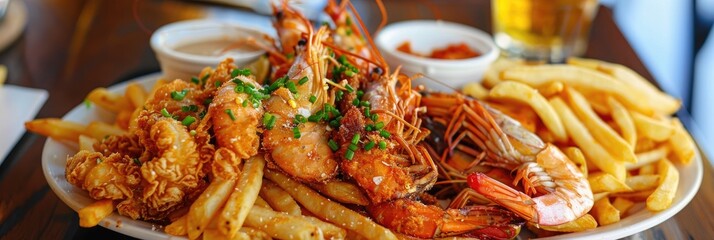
(608,119)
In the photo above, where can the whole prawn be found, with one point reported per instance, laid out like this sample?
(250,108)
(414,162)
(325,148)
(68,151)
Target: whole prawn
(556,191)
(298,147)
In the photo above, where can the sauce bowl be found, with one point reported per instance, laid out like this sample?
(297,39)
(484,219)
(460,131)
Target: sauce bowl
(184,48)
(427,35)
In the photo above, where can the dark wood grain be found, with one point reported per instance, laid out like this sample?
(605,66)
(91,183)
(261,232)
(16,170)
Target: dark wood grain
(71,47)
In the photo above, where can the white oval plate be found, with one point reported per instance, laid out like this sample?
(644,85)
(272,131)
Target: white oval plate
(54,157)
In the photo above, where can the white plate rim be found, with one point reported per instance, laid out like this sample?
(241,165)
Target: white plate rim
(75,198)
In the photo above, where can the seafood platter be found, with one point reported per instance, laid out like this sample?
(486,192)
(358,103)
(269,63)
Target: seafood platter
(325,134)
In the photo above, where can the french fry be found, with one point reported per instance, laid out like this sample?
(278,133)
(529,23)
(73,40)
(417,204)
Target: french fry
(665,103)
(551,89)
(329,210)
(594,152)
(583,223)
(136,95)
(282,225)
(278,199)
(92,214)
(645,158)
(255,234)
(663,196)
(525,94)
(608,138)
(86,143)
(56,128)
(243,198)
(637,196)
(343,192)
(623,205)
(584,62)
(682,143)
(575,155)
(259,201)
(108,100)
(100,130)
(492,76)
(642,182)
(624,121)
(579,78)
(652,128)
(598,196)
(178,227)
(604,212)
(475,90)
(648,169)
(604,182)
(207,205)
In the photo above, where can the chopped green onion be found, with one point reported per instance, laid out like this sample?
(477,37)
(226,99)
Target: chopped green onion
(355,138)
(315,117)
(356,102)
(291,86)
(348,21)
(240,72)
(165,113)
(205,77)
(348,32)
(217,84)
(335,123)
(296,132)
(367,112)
(349,73)
(333,145)
(87,103)
(374,117)
(269,121)
(300,119)
(349,88)
(364,103)
(137,161)
(178,96)
(303,80)
(369,145)
(290,55)
(230,114)
(313,99)
(382,145)
(352,147)
(339,95)
(189,108)
(349,155)
(379,125)
(266,118)
(192,132)
(195,80)
(369,127)
(360,93)
(188,120)
(384,133)
(208,101)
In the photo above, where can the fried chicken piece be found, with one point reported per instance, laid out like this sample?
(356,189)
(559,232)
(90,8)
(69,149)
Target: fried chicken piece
(104,177)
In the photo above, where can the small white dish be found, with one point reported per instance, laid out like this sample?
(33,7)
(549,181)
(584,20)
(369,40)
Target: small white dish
(427,35)
(184,48)
(20,104)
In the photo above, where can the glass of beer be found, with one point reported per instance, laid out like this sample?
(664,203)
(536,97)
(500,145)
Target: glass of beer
(543,30)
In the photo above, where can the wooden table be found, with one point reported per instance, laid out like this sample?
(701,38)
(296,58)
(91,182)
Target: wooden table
(71,47)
